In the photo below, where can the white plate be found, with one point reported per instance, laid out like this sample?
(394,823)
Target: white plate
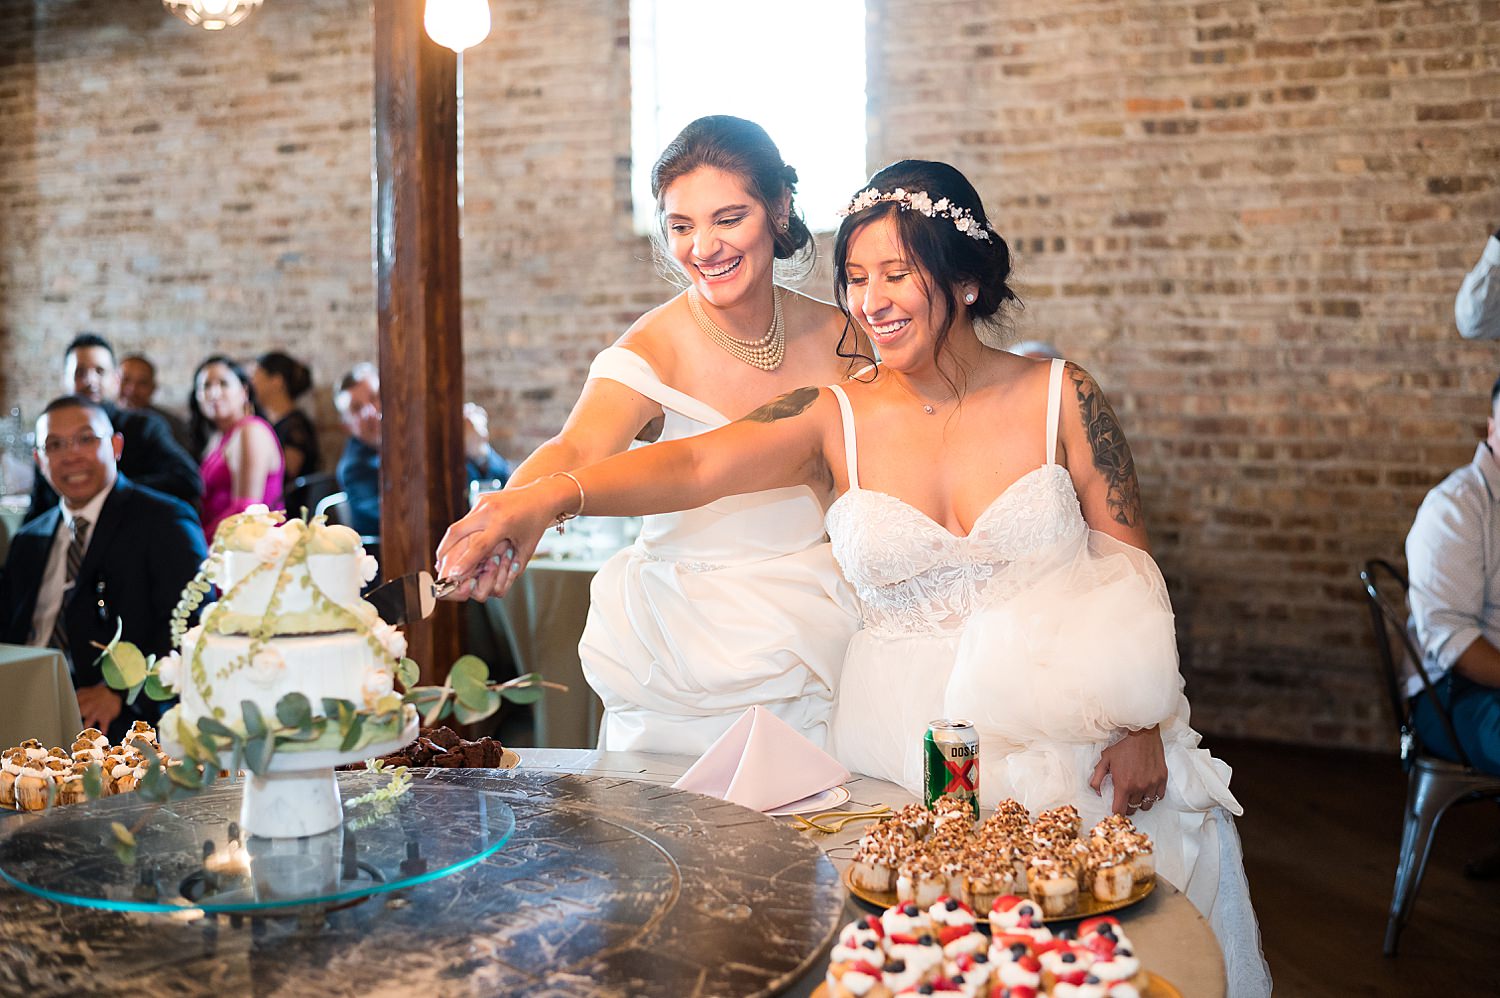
(826,800)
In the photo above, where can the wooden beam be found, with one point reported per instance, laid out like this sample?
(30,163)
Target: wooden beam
(418,300)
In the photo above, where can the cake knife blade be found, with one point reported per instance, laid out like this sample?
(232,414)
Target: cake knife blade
(410,597)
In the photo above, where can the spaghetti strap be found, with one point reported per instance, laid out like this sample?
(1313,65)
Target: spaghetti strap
(851,455)
(1054,407)
(631,370)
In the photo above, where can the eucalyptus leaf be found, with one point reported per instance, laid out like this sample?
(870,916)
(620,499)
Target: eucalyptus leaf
(465,715)
(188,739)
(130,661)
(258,751)
(122,834)
(255,724)
(468,668)
(294,710)
(352,732)
(218,729)
(111,672)
(156,691)
(135,691)
(93,781)
(521,694)
(439,708)
(186,777)
(408,673)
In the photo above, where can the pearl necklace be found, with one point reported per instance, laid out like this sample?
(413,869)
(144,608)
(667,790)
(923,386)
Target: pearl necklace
(765,353)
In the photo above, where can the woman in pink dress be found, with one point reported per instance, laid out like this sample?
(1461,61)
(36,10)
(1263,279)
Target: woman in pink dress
(241,459)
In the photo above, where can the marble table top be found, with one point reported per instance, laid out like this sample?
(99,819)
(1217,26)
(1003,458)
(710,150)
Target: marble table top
(613,884)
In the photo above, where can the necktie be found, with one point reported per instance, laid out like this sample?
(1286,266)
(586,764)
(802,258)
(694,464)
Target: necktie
(76,546)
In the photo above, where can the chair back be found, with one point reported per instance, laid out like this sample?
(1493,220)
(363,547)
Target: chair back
(307,491)
(1387,617)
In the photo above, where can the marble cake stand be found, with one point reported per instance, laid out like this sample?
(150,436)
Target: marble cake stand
(298,795)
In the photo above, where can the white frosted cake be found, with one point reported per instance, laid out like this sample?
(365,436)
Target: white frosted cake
(289,620)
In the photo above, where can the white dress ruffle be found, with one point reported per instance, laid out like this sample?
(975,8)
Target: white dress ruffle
(715,609)
(1052,638)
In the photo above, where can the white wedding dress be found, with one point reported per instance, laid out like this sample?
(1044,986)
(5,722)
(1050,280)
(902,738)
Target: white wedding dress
(714,610)
(1050,637)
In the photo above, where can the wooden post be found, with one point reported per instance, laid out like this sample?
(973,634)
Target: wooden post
(417,291)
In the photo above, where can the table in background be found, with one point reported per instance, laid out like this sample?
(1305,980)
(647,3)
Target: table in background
(542,618)
(39,700)
(1169,934)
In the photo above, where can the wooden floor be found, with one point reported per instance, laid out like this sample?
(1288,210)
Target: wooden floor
(1321,831)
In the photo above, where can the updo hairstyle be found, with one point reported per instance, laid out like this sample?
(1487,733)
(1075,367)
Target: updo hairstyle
(293,373)
(742,149)
(946,257)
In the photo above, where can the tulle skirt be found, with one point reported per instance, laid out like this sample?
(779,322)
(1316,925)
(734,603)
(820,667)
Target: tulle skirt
(1050,676)
(676,655)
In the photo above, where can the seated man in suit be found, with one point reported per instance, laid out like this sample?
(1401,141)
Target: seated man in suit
(357,398)
(151,456)
(111,553)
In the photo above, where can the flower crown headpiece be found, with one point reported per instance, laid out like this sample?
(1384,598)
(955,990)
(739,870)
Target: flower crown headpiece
(920,201)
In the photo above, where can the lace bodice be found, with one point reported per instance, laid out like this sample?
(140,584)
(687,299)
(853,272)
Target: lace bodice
(913,576)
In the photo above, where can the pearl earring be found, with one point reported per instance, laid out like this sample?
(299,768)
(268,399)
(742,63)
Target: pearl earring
(969,298)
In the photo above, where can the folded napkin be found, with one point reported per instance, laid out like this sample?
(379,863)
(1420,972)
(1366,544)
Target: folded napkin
(762,763)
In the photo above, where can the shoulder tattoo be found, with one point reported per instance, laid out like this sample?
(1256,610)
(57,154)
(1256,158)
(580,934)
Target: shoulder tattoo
(791,404)
(1111,452)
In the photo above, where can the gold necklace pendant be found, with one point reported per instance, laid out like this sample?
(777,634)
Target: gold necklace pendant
(765,353)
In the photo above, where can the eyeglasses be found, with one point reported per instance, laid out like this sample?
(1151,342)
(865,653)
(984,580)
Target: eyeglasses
(54,446)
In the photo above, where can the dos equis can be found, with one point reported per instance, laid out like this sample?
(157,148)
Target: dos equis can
(950,753)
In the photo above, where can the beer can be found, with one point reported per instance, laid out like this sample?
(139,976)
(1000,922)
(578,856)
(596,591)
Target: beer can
(950,753)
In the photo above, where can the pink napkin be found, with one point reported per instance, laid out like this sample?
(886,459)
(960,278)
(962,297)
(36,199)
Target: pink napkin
(762,763)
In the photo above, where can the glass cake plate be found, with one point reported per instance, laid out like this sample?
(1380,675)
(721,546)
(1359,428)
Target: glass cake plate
(190,857)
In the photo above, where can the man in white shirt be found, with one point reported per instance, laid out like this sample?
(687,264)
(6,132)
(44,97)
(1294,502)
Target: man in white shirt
(1477,307)
(1453,556)
(111,553)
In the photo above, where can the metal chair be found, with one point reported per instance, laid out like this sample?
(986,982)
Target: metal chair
(1433,784)
(308,491)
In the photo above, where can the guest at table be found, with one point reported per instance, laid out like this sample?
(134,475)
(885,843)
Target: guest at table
(138,388)
(1453,556)
(1476,309)
(151,457)
(242,463)
(1003,576)
(357,399)
(279,381)
(736,603)
(114,553)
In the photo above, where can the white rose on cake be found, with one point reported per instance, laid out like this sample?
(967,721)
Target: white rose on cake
(266,666)
(392,640)
(378,683)
(275,545)
(169,670)
(368,567)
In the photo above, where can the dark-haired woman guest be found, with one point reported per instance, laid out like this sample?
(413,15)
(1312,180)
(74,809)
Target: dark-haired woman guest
(241,458)
(985,508)
(279,381)
(667,646)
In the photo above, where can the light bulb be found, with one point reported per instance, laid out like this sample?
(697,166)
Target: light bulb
(457,24)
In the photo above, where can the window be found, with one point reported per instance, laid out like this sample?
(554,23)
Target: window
(795,67)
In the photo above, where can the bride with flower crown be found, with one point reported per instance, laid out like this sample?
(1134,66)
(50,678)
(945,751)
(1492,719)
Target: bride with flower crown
(986,511)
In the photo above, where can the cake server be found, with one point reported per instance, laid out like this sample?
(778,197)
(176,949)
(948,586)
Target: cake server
(411,597)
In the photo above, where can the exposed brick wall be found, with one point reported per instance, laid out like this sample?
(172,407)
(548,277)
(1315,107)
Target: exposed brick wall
(1247,219)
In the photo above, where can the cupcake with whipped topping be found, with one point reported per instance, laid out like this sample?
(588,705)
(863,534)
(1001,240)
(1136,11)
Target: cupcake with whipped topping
(1108,871)
(1015,967)
(877,856)
(906,919)
(10,768)
(948,808)
(1052,880)
(1121,966)
(920,877)
(1013,915)
(971,973)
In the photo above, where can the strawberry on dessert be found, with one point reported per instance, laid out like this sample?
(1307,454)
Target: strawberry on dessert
(905,919)
(971,972)
(1101,934)
(1089,987)
(1015,991)
(1121,966)
(856,980)
(1015,965)
(1014,915)
(923,956)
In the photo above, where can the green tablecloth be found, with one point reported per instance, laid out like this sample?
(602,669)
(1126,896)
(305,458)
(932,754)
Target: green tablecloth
(38,701)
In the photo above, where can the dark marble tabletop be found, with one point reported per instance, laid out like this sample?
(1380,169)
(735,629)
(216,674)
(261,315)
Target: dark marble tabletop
(609,886)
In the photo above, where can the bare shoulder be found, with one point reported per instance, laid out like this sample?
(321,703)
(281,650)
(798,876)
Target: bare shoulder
(653,336)
(839,340)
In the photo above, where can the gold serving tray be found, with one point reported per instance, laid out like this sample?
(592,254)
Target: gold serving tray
(1088,905)
(1156,987)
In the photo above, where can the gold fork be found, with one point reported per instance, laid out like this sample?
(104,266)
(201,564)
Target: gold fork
(815,823)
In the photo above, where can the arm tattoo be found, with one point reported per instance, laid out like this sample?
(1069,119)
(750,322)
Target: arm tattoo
(1111,452)
(789,405)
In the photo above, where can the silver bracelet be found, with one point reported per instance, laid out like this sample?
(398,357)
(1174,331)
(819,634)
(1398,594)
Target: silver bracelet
(582,500)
